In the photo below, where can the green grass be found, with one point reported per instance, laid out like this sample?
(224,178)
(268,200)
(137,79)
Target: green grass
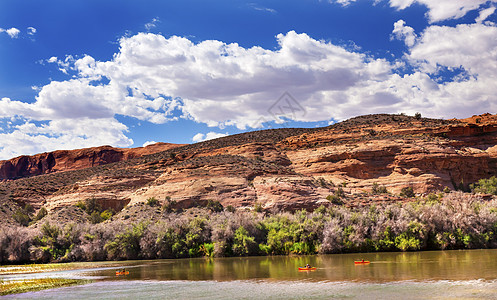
(31,285)
(38,268)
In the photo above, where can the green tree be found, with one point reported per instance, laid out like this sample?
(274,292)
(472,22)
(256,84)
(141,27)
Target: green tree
(243,244)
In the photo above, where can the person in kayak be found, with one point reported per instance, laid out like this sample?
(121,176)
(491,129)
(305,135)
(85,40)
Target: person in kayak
(308,266)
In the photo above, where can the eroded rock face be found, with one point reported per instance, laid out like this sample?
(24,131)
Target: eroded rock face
(278,170)
(66,160)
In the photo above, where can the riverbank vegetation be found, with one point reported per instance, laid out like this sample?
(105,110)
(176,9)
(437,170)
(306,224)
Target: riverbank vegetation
(439,221)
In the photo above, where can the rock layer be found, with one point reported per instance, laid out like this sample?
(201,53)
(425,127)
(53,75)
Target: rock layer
(276,169)
(67,160)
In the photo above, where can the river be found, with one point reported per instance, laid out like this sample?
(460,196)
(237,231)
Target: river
(413,275)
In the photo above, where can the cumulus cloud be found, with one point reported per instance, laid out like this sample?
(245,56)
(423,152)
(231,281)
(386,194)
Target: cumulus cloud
(200,137)
(484,14)
(157,79)
(440,10)
(148,143)
(472,47)
(403,32)
(12,32)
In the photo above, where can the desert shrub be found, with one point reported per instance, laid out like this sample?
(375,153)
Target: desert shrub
(95,217)
(152,201)
(15,244)
(335,199)
(214,206)
(106,214)
(486,186)
(169,205)
(91,205)
(377,189)
(41,214)
(258,207)
(230,209)
(21,217)
(81,205)
(54,243)
(407,192)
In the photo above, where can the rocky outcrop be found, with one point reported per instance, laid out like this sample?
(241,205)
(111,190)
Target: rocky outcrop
(276,169)
(66,160)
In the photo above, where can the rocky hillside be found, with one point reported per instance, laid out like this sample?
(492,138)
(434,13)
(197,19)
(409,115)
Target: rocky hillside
(66,160)
(280,168)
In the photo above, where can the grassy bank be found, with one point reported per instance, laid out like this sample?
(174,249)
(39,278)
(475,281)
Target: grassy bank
(32,285)
(52,267)
(443,221)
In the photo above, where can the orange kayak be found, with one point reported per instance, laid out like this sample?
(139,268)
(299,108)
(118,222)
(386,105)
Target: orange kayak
(121,273)
(307,269)
(361,262)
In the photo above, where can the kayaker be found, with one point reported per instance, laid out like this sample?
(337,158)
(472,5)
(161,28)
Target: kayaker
(308,266)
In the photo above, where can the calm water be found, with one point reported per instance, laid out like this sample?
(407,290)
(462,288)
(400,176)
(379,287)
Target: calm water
(420,275)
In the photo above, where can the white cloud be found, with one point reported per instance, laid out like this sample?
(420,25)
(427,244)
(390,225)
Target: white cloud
(484,14)
(218,84)
(469,46)
(152,24)
(262,8)
(440,10)
(225,84)
(403,32)
(12,32)
(343,2)
(31,30)
(29,138)
(200,137)
(148,143)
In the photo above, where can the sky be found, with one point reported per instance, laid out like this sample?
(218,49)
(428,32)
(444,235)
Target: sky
(84,73)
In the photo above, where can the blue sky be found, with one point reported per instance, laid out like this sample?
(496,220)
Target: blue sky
(84,73)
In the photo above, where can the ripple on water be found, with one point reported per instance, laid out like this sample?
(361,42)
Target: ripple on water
(265,289)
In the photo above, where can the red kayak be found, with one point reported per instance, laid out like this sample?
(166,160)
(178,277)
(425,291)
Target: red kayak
(307,269)
(361,262)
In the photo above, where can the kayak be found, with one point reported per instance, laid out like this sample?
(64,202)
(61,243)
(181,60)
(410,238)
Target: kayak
(307,269)
(121,273)
(361,262)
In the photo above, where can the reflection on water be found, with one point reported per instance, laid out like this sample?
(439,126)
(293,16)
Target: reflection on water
(445,274)
(384,267)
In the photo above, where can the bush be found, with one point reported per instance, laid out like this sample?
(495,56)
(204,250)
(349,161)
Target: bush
(95,218)
(258,207)
(243,244)
(377,189)
(486,186)
(214,206)
(152,201)
(337,196)
(106,214)
(126,245)
(407,192)
(41,214)
(21,217)
(169,205)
